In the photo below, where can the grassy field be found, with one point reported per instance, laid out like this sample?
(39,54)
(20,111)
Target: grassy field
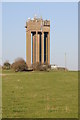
(0,93)
(40,94)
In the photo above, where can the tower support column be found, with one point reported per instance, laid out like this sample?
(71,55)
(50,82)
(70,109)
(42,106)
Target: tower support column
(28,48)
(38,41)
(42,48)
(48,48)
(33,48)
(36,46)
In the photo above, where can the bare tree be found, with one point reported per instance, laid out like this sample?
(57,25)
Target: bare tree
(19,65)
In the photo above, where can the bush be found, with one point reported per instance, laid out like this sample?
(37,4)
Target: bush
(6,65)
(19,65)
(36,66)
(40,67)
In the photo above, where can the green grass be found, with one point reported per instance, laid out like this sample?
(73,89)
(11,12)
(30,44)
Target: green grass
(0,93)
(40,94)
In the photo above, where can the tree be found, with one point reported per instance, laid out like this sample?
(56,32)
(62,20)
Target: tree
(19,65)
(6,65)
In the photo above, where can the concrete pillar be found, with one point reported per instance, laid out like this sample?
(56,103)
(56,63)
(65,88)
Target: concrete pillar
(42,48)
(38,47)
(28,48)
(33,48)
(48,48)
(40,37)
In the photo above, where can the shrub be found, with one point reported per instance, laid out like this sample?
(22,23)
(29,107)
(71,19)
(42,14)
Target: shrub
(19,65)
(40,67)
(36,66)
(6,65)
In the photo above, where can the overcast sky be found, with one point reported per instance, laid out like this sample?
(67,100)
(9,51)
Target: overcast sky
(63,30)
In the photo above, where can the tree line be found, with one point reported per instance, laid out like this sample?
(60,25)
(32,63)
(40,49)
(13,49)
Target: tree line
(20,65)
